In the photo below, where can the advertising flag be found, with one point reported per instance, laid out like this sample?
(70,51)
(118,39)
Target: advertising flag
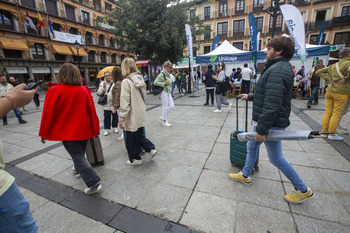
(215,43)
(320,36)
(52,33)
(189,46)
(253,37)
(296,27)
(29,21)
(40,21)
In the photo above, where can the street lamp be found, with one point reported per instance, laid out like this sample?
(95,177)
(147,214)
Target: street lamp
(274,10)
(77,45)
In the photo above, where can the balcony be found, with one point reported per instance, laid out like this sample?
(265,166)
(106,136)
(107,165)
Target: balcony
(300,2)
(318,24)
(319,1)
(341,21)
(218,14)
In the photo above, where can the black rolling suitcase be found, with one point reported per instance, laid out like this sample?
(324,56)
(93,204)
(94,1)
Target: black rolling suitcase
(94,153)
(238,149)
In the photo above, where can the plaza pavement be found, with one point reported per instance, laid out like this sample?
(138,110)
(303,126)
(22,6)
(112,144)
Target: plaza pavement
(185,188)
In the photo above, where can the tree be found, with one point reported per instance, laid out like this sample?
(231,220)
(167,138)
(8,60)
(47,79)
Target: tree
(154,28)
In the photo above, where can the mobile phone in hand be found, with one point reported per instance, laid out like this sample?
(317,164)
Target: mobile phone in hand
(35,85)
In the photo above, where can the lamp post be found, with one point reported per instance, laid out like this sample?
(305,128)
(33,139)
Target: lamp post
(77,45)
(274,10)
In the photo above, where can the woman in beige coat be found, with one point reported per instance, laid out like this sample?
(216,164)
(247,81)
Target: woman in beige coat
(133,113)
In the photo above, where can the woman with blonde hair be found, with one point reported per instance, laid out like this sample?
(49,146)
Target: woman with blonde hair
(133,112)
(69,116)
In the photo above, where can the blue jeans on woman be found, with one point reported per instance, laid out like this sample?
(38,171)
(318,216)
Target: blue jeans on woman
(274,151)
(15,215)
(17,113)
(314,94)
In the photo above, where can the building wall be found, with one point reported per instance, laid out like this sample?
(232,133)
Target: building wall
(310,9)
(16,11)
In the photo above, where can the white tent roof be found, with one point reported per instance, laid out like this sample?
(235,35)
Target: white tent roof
(306,45)
(225,48)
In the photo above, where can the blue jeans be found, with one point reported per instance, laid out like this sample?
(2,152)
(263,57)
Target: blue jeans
(17,113)
(314,94)
(274,151)
(76,149)
(15,215)
(172,87)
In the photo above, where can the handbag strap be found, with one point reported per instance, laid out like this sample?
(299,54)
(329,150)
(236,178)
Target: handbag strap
(338,70)
(109,88)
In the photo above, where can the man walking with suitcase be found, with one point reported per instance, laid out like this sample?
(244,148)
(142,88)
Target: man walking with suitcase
(271,110)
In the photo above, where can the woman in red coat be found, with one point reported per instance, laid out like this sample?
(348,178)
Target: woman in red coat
(69,116)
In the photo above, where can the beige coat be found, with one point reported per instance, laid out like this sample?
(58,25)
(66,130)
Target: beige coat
(132,104)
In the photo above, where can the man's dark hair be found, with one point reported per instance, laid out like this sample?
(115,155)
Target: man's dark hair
(284,44)
(210,67)
(234,69)
(245,65)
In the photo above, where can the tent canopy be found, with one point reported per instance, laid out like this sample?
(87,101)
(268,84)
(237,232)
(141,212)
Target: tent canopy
(226,53)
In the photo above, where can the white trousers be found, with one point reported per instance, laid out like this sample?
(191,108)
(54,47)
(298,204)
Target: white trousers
(167,103)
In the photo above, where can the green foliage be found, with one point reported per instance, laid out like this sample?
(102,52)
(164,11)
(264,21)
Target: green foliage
(153,28)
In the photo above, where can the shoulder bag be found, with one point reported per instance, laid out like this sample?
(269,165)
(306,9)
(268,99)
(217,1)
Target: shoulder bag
(102,100)
(156,90)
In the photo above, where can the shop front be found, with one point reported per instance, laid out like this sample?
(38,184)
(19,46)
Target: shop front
(41,73)
(19,73)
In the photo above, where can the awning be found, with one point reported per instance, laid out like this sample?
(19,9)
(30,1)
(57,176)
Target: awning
(142,62)
(61,49)
(81,51)
(14,44)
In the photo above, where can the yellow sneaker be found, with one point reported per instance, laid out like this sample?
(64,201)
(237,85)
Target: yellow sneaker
(297,196)
(239,177)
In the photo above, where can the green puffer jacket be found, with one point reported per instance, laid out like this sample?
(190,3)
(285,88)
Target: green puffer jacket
(272,97)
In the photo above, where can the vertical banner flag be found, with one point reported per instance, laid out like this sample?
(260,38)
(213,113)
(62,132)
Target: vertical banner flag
(319,41)
(29,21)
(52,33)
(189,46)
(215,43)
(296,27)
(40,21)
(253,38)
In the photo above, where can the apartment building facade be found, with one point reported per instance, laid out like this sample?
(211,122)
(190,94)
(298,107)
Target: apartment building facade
(30,52)
(229,20)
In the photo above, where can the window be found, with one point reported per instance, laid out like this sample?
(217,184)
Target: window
(32,31)
(37,51)
(279,21)
(238,27)
(88,38)
(206,49)
(70,12)
(91,56)
(222,9)
(238,45)
(111,43)
(122,58)
(51,7)
(77,58)
(207,35)
(108,8)
(193,33)
(321,16)
(103,57)
(60,57)
(12,53)
(56,27)
(342,38)
(73,31)
(6,20)
(222,29)
(258,5)
(345,11)
(101,40)
(259,24)
(207,12)
(28,3)
(114,58)
(85,17)
(239,6)
(97,5)
(192,14)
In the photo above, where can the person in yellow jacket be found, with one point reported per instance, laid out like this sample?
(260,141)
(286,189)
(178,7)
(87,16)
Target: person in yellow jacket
(338,92)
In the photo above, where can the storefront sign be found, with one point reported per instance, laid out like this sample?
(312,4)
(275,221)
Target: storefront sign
(17,70)
(56,70)
(40,70)
(336,47)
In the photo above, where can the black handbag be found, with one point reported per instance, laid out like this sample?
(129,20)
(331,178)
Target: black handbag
(219,88)
(102,100)
(156,90)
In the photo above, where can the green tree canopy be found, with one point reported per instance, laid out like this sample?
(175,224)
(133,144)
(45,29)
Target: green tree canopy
(153,28)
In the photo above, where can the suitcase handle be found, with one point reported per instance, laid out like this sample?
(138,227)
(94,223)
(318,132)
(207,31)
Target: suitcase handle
(246,114)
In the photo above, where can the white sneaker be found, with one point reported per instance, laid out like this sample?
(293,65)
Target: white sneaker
(153,153)
(229,106)
(166,124)
(160,118)
(106,132)
(335,138)
(134,163)
(342,130)
(116,130)
(217,110)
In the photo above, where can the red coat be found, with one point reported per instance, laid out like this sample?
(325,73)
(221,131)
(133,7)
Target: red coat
(69,114)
